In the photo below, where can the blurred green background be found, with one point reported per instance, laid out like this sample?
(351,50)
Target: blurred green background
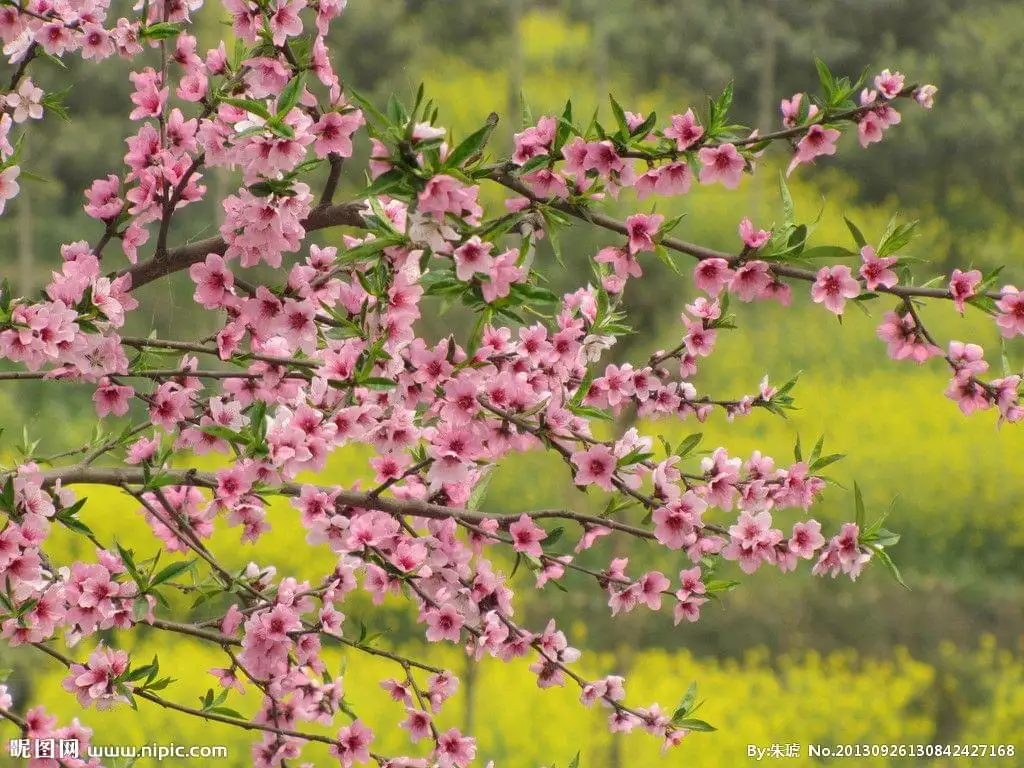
(791,659)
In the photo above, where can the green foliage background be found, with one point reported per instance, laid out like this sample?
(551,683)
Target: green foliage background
(790,659)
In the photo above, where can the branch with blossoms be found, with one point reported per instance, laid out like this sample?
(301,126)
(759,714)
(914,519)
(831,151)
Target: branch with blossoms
(328,353)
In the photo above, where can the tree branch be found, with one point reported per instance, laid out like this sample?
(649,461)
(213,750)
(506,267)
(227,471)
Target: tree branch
(177,259)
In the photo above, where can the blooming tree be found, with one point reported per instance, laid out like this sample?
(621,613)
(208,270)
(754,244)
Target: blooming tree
(327,353)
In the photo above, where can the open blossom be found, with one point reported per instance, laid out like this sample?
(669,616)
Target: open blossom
(527,536)
(444,623)
(8,185)
(816,142)
(876,270)
(642,230)
(962,286)
(26,101)
(712,275)
(751,238)
(833,286)
(676,524)
(595,466)
(685,130)
(723,163)
(353,744)
(905,339)
(889,83)
(791,111)
(454,750)
(925,96)
(1011,312)
(806,539)
(334,132)
(751,280)
(93,682)
(472,257)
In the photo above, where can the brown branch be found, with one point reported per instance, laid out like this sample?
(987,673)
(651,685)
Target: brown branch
(177,259)
(120,476)
(698,251)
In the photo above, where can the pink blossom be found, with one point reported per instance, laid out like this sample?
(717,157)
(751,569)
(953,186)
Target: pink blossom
(676,524)
(712,275)
(685,131)
(472,257)
(416,724)
(445,623)
(112,398)
(651,585)
(962,286)
(353,744)
(833,286)
(595,466)
(889,83)
(93,682)
(723,163)
(26,101)
(876,270)
(527,536)
(791,111)
(806,539)
(642,230)
(869,129)
(925,96)
(8,185)
(213,280)
(816,142)
(334,132)
(751,280)
(905,339)
(454,750)
(752,239)
(1011,312)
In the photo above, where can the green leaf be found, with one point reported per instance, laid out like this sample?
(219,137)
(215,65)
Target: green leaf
(290,95)
(467,147)
(666,258)
(525,113)
(620,117)
(479,492)
(575,762)
(826,78)
(688,444)
(825,461)
(693,724)
(827,252)
(395,111)
(228,712)
(170,572)
(129,562)
(163,30)
(788,209)
(887,561)
(858,500)
(252,106)
(897,238)
(645,127)
(378,383)
(797,453)
(858,238)
(367,106)
(816,451)
(688,700)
